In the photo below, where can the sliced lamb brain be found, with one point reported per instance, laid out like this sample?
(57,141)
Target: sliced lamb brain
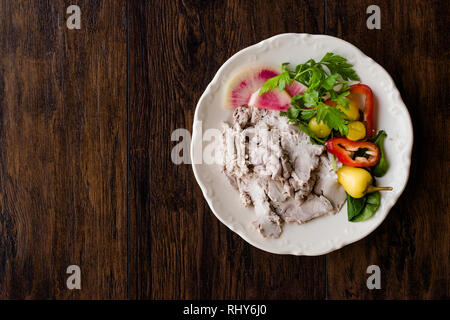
(247,82)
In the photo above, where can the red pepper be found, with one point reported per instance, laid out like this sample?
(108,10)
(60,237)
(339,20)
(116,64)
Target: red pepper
(368,111)
(354,153)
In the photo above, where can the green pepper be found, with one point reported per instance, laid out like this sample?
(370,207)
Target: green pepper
(382,166)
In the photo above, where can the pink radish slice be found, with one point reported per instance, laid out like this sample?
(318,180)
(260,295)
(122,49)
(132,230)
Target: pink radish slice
(244,84)
(295,88)
(275,100)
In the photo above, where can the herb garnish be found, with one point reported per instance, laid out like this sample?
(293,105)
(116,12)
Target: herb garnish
(326,79)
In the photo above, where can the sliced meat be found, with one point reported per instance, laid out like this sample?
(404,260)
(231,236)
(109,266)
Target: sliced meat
(327,184)
(235,158)
(259,115)
(276,192)
(245,199)
(242,116)
(286,165)
(304,157)
(231,179)
(265,151)
(277,170)
(228,148)
(313,207)
(267,221)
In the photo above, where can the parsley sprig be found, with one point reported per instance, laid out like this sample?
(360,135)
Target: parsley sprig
(326,79)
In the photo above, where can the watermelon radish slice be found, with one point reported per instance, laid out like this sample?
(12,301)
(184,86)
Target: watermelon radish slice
(241,87)
(295,88)
(247,82)
(275,100)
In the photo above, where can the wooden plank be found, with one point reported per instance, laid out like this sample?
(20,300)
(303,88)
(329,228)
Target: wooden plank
(412,246)
(178,248)
(63,150)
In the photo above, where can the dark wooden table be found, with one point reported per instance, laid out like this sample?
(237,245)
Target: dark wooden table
(85,171)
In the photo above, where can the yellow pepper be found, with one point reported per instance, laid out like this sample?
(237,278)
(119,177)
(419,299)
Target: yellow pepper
(320,129)
(357,182)
(352,113)
(356,131)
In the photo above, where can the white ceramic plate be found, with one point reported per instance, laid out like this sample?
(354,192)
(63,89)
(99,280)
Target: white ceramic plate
(323,234)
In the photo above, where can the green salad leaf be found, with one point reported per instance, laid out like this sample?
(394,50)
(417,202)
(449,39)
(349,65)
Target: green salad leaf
(354,206)
(382,166)
(361,209)
(371,206)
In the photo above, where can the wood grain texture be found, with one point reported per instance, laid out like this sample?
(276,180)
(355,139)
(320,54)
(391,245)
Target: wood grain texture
(412,246)
(71,152)
(179,250)
(63,150)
